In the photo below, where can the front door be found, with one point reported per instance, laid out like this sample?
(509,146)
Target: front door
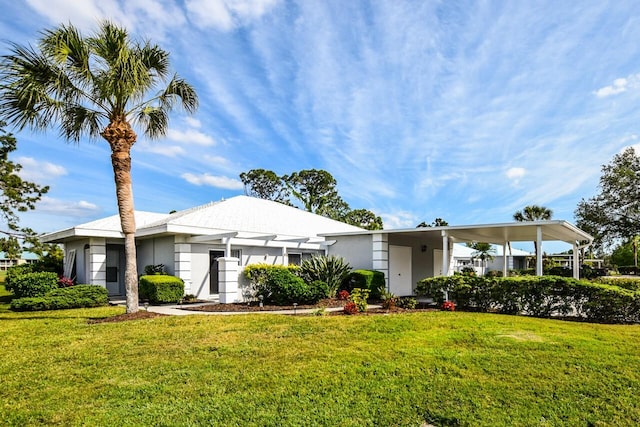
(400,270)
(113,271)
(437,262)
(214,287)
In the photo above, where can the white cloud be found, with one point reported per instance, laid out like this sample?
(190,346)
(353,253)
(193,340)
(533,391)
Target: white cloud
(216,160)
(157,148)
(515,175)
(54,206)
(619,86)
(399,219)
(150,17)
(39,171)
(227,14)
(192,122)
(213,181)
(190,136)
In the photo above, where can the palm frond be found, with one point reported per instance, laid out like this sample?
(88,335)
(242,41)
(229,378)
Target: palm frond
(179,89)
(154,121)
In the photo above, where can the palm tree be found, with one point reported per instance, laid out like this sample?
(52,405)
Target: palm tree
(95,86)
(484,251)
(533,213)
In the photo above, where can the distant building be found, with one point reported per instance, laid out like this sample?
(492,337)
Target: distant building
(25,258)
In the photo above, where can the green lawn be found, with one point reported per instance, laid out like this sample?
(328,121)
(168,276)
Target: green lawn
(445,368)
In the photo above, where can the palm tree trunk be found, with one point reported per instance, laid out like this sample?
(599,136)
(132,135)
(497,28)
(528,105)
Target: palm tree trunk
(121,138)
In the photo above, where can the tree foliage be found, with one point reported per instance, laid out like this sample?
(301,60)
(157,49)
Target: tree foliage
(482,250)
(533,213)
(363,218)
(614,213)
(101,85)
(438,222)
(315,190)
(18,195)
(265,184)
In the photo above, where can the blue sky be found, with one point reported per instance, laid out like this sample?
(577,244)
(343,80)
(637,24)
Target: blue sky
(466,110)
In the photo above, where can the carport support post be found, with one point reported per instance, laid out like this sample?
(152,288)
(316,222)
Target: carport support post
(504,259)
(539,250)
(576,261)
(445,253)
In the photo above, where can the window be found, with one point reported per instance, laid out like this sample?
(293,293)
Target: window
(237,253)
(295,259)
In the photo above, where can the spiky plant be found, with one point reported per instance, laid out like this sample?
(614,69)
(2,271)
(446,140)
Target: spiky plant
(329,269)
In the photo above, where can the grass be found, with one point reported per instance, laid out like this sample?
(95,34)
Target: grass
(268,370)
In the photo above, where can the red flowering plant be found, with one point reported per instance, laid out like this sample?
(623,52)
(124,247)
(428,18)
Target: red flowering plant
(64,282)
(448,306)
(350,308)
(343,295)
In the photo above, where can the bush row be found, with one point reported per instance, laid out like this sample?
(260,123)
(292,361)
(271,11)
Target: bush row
(544,296)
(371,280)
(78,296)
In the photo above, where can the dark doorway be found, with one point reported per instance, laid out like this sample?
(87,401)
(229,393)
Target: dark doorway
(213,271)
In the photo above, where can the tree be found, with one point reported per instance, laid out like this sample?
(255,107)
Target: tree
(316,190)
(624,254)
(95,86)
(533,213)
(363,218)
(438,222)
(17,196)
(614,213)
(482,250)
(265,184)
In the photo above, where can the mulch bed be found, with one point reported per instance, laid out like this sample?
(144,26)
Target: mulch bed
(254,306)
(126,317)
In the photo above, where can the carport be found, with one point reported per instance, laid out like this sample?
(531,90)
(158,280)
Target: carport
(408,255)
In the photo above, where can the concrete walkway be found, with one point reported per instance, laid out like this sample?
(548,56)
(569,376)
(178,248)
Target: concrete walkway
(176,310)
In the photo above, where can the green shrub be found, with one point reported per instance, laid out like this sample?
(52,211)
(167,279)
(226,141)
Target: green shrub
(256,274)
(78,296)
(330,269)
(161,289)
(282,287)
(559,271)
(317,290)
(31,284)
(407,303)
(365,279)
(359,298)
(632,284)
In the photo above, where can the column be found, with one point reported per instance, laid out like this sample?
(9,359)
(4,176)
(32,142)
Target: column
(380,258)
(445,253)
(576,261)
(182,263)
(97,262)
(228,280)
(539,251)
(505,260)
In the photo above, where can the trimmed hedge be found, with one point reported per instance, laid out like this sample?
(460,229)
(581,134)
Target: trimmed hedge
(365,279)
(161,289)
(623,282)
(26,284)
(78,296)
(544,296)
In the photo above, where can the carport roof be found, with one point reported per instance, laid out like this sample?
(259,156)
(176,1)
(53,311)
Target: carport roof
(557,230)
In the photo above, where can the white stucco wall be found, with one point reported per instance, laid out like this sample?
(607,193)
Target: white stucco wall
(356,250)
(156,251)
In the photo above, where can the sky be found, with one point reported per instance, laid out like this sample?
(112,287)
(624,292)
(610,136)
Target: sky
(465,110)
